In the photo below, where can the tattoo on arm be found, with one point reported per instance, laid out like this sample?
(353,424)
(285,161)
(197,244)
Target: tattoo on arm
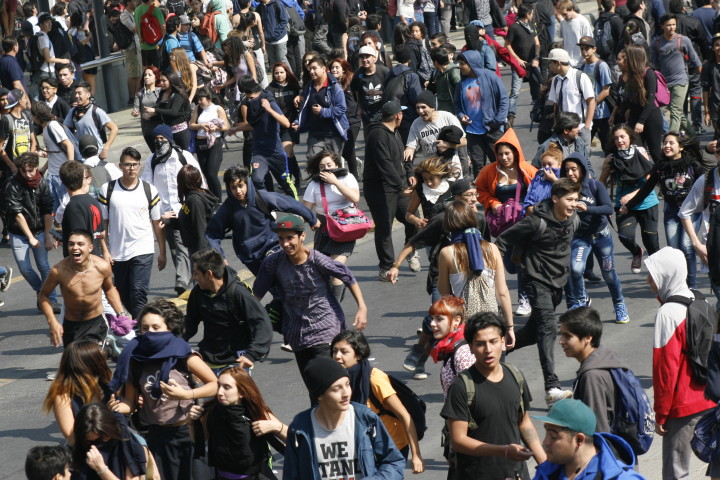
(529,435)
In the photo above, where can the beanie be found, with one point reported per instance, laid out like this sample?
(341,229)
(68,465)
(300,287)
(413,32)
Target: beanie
(165,131)
(451,134)
(402,54)
(320,373)
(88,146)
(426,97)
(461,186)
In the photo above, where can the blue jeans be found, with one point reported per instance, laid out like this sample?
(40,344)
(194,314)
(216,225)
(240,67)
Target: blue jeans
(517,82)
(431,20)
(132,280)
(676,237)
(601,244)
(21,251)
(57,189)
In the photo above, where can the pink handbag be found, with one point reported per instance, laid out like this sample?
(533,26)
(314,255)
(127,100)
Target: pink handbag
(510,213)
(347,224)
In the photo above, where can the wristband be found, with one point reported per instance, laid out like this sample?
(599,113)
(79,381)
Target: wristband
(506,447)
(395,265)
(101,472)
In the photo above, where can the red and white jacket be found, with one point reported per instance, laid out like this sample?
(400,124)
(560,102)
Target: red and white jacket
(677,394)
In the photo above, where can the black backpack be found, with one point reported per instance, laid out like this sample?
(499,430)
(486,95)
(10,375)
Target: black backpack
(163,57)
(296,25)
(35,56)
(61,41)
(176,6)
(413,404)
(396,88)
(604,37)
(122,35)
(701,323)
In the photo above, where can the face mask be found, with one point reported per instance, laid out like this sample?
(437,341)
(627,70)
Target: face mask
(162,147)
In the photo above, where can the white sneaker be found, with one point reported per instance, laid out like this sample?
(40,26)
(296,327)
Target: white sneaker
(414,262)
(555,395)
(524,309)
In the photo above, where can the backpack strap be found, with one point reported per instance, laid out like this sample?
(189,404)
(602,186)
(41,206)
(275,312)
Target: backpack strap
(111,187)
(470,390)
(709,187)
(98,124)
(261,204)
(146,188)
(521,384)
(578,79)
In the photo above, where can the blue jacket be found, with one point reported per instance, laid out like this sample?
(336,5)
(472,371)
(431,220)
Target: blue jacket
(296,5)
(274,19)
(608,466)
(595,196)
(378,457)
(539,189)
(252,228)
(335,97)
(495,101)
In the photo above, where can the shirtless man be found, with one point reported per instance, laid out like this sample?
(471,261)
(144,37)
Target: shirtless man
(82,278)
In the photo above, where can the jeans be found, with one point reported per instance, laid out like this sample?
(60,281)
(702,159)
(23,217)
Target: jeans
(676,237)
(210,160)
(541,328)
(57,189)
(295,52)
(517,82)
(318,144)
(482,149)
(515,269)
(648,220)
(276,53)
(585,135)
(601,244)
(384,207)
(431,20)
(678,93)
(21,251)
(132,280)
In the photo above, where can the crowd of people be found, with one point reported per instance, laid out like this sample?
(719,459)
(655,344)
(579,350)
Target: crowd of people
(389,112)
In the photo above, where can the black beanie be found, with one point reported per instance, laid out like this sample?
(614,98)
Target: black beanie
(320,373)
(426,97)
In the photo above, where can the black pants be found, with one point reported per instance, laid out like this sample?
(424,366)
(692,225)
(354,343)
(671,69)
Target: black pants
(210,160)
(648,220)
(348,152)
(276,165)
(652,134)
(384,207)
(172,449)
(302,357)
(148,57)
(482,149)
(94,329)
(182,139)
(132,280)
(601,128)
(541,328)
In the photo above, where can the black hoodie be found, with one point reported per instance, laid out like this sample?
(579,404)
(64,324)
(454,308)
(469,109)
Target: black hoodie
(547,258)
(234,321)
(384,165)
(594,386)
(194,215)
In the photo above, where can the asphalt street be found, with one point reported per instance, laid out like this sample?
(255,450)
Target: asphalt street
(395,312)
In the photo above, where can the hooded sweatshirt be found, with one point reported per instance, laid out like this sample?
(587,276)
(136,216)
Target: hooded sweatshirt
(222,24)
(334,108)
(384,164)
(677,394)
(193,218)
(594,385)
(483,98)
(252,227)
(445,84)
(594,195)
(488,178)
(603,465)
(547,258)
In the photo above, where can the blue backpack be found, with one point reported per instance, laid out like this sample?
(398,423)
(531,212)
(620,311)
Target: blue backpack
(634,419)
(706,439)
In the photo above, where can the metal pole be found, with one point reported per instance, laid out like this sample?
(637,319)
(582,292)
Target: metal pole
(112,90)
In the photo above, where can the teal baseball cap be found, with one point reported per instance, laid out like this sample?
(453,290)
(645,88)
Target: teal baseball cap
(572,414)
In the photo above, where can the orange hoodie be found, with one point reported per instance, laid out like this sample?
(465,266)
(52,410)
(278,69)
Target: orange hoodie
(488,177)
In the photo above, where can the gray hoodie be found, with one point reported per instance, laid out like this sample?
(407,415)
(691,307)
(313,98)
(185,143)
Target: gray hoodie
(594,385)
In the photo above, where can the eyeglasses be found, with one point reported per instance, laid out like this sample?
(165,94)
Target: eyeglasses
(130,165)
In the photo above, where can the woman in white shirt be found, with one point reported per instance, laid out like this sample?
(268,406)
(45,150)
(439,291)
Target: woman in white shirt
(210,121)
(341,191)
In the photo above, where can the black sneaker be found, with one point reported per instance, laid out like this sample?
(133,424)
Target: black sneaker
(6,279)
(636,264)
(592,277)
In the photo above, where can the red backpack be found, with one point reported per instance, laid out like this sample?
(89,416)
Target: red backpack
(207,27)
(150,31)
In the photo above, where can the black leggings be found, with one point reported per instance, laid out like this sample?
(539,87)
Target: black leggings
(210,160)
(652,134)
(648,220)
(348,152)
(182,139)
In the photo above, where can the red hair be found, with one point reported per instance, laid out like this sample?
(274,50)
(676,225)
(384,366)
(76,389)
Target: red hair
(450,306)
(347,72)
(154,69)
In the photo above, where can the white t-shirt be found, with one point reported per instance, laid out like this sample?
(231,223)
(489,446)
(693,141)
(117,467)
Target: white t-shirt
(336,452)
(56,152)
(44,42)
(571,33)
(335,199)
(695,202)
(565,93)
(423,134)
(130,231)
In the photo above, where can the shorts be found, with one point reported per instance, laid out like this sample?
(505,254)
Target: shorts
(94,329)
(133,63)
(289,135)
(11,5)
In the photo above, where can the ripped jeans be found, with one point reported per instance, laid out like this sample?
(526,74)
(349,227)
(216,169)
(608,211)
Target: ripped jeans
(601,244)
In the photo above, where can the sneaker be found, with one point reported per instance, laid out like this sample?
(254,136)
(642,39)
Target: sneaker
(412,360)
(524,309)
(592,277)
(621,314)
(419,373)
(50,376)
(57,307)
(414,262)
(636,264)
(286,348)
(6,279)
(555,395)
(382,275)
(2,303)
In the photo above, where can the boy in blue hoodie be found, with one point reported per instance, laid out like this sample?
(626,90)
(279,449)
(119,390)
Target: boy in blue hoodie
(542,182)
(481,104)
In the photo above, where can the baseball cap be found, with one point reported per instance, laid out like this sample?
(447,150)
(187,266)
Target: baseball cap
(391,108)
(14,97)
(477,23)
(44,17)
(367,50)
(184,20)
(88,145)
(461,186)
(586,40)
(289,222)
(559,55)
(572,414)
(27,28)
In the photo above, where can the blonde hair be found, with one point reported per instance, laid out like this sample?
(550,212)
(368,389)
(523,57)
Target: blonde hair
(437,166)
(182,62)
(553,151)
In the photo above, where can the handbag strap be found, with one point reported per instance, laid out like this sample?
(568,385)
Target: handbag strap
(518,189)
(324,198)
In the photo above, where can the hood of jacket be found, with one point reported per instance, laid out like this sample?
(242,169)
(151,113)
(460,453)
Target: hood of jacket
(217,6)
(582,163)
(474,59)
(208,199)
(396,71)
(600,359)
(509,137)
(608,464)
(668,269)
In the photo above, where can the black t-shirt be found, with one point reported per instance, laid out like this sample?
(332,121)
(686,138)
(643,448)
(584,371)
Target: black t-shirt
(522,41)
(82,213)
(496,410)
(340,12)
(369,92)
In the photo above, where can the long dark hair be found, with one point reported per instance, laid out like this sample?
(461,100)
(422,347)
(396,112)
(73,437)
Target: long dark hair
(691,151)
(234,50)
(189,179)
(460,216)
(252,399)
(636,61)
(290,78)
(347,72)
(93,418)
(176,84)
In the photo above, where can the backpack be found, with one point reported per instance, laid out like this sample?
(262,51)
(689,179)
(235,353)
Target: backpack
(296,25)
(176,6)
(150,30)
(604,37)
(181,158)
(163,57)
(706,438)
(634,419)
(708,190)
(612,99)
(470,389)
(396,88)
(98,124)
(61,41)
(413,404)
(20,138)
(34,55)
(208,28)
(662,96)
(578,82)
(122,35)
(146,187)
(71,137)
(701,324)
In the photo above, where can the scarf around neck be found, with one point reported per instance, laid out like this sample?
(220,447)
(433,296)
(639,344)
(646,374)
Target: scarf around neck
(360,381)
(631,165)
(32,183)
(471,238)
(433,194)
(444,348)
